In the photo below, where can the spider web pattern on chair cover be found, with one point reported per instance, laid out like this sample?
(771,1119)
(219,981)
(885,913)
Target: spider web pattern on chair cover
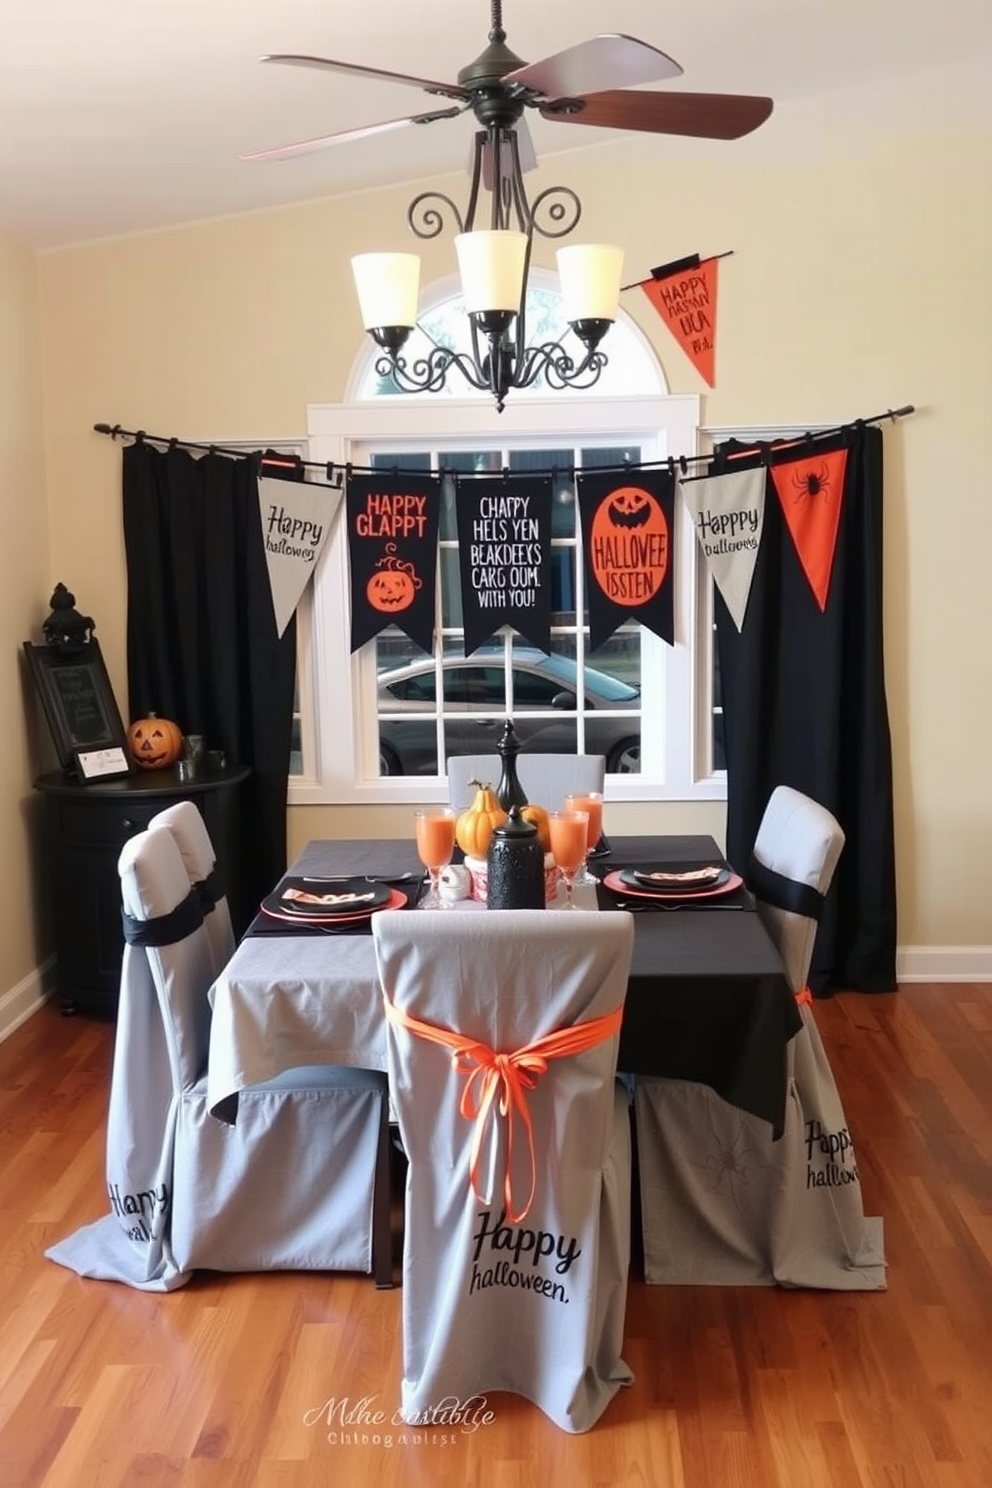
(535,1306)
(721,1202)
(546,778)
(290,1186)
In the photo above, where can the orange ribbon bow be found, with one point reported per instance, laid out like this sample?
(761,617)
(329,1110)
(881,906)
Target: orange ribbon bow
(509,1076)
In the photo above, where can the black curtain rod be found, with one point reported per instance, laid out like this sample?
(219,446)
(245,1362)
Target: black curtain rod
(335,474)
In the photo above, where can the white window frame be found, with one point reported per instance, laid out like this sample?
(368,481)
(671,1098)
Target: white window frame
(341,688)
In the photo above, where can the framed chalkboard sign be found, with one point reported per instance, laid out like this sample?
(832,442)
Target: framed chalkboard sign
(78,701)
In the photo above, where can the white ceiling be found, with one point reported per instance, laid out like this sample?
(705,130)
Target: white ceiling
(121,116)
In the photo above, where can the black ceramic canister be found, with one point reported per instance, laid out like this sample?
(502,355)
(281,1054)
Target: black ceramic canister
(515,865)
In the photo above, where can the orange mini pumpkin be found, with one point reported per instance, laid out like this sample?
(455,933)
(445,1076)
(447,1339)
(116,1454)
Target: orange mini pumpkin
(541,820)
(154,742)
(475,827)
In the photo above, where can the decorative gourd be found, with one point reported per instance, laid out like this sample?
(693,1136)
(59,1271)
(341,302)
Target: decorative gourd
(154,742)
(476,825)
(542,822)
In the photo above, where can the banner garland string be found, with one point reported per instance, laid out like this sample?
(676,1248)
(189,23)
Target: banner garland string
(335,474)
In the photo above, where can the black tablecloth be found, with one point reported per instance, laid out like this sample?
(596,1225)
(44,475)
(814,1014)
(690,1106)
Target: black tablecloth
(707,998)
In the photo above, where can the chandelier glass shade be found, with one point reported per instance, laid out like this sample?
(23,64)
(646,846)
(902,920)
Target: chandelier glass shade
(493,262)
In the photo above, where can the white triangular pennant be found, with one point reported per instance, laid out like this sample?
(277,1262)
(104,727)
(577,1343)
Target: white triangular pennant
(296,518)
(728,512)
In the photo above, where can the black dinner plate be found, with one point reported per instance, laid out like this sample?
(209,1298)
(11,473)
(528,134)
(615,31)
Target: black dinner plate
(313,900)
(669,879)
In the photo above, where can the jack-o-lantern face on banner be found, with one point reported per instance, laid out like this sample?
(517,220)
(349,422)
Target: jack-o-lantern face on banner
(392,548)
(627,550)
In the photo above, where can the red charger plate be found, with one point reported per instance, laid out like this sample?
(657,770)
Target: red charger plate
(397,899)
(615,883)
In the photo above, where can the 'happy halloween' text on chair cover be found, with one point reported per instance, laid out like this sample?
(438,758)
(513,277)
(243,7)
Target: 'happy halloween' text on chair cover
(517,1280)
(722,1203)
(290,1186)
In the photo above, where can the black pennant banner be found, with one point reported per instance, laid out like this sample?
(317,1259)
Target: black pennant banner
(392,548)
(627,544)
(504,557)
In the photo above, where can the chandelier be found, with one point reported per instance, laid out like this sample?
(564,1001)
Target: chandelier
(493,264)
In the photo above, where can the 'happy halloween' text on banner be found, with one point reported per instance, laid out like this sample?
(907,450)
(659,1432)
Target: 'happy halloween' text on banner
(504,557)
(686,301)
(392,549)
(627,532)
(296,518)
(728,512)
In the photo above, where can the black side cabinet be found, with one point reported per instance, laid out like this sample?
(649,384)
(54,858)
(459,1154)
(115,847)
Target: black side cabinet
(87,825)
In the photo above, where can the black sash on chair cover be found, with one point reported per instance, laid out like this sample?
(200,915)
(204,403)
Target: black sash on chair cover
(209,890)
(165,929)
(784,893)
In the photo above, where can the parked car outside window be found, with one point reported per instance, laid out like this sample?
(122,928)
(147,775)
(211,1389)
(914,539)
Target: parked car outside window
(544,702)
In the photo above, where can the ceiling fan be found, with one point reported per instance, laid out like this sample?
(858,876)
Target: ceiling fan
(584,84)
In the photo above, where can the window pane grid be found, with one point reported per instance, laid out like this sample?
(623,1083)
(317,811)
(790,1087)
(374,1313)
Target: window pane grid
(431,706)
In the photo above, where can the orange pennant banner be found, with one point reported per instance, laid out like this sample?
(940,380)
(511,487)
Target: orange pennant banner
(686,302)
(811,492)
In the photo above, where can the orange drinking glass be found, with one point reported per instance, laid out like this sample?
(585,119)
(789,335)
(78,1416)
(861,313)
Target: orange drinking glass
(435,843)
(592,803)
(569,833)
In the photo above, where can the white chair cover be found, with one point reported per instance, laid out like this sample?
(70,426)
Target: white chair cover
(722,1203)
(291,1185)
(197,851)
(495,1298)
(546,778)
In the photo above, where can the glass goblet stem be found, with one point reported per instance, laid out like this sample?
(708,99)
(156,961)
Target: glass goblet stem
(568,878)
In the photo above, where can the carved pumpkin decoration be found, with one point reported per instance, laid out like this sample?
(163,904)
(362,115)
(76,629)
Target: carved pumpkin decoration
(629,550)
(394,584)
(475,827)
(154,742)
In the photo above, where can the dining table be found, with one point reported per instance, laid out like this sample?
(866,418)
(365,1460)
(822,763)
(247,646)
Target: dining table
(707,999)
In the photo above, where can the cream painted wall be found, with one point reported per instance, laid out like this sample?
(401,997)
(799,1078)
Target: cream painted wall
(24,591)
(862,235)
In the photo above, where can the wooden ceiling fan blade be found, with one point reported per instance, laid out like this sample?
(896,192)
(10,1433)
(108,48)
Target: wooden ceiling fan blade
(342,136)
(611,61)
(328,64)
(704,115)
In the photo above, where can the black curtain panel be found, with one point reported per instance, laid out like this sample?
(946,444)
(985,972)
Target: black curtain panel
(803,691)
(202,647)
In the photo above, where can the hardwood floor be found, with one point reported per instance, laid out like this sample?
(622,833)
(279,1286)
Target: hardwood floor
(223,1382)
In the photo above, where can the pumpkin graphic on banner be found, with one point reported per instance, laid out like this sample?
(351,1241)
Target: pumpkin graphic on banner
(394,585)
(630,545)
(392,522)
(627,550)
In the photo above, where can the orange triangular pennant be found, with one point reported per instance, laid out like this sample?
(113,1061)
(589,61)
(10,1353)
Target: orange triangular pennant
(686,302)
(811,492)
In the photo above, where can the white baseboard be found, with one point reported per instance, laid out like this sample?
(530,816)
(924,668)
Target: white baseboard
(944,964)
(17,1005)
